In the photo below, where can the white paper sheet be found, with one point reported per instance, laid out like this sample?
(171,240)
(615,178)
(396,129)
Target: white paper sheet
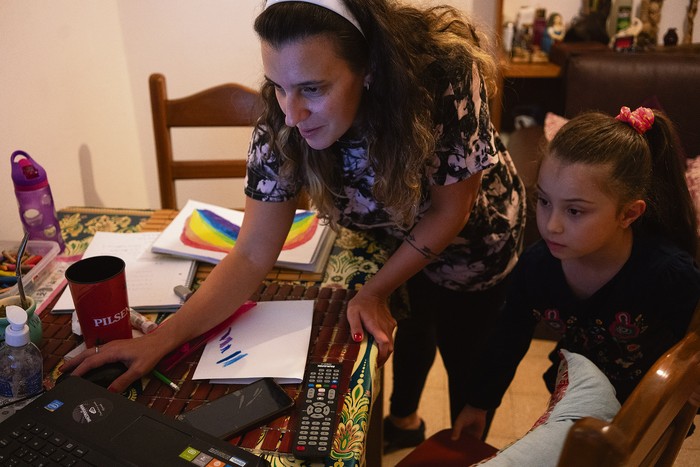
(269,340)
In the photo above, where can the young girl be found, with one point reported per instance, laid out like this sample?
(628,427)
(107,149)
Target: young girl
(614,273)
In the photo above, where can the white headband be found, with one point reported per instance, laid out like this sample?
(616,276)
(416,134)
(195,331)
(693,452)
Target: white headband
(336,6)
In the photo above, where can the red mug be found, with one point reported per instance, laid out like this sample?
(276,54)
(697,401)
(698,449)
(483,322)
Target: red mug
(98,287)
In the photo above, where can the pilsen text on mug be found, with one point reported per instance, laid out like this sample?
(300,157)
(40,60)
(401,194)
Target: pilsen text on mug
(110,320)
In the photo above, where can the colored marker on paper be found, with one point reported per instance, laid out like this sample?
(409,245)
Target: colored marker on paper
(233,358)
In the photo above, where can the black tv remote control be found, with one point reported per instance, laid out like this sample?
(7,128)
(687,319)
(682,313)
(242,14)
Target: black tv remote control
(317,409)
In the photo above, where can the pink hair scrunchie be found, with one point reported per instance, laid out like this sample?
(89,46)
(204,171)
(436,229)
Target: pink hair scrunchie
(641,119)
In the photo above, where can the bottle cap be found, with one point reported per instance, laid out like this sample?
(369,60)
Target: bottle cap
(17,332)
(27,175)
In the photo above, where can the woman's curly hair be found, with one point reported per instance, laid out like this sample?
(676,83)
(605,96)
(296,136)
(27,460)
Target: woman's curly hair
(399,44)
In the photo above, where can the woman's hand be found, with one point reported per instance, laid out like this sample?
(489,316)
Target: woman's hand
(471,420)
(371,313)
(139,354)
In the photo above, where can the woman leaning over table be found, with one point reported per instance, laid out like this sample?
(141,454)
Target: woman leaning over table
(380,112)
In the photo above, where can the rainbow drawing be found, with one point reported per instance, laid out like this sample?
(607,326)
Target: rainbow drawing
(208,231)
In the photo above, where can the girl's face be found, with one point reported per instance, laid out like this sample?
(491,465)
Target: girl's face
(317,91)
(576,217)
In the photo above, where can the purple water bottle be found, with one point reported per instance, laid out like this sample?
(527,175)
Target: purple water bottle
(36,208)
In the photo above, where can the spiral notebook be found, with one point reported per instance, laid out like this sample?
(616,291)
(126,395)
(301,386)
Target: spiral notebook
(150,278)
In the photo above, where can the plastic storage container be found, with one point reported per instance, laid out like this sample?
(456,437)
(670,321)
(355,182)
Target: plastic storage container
(47,249)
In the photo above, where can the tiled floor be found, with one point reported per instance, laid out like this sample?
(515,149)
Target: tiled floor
(524,402)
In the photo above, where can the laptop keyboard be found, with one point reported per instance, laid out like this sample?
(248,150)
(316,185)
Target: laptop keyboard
(32,444)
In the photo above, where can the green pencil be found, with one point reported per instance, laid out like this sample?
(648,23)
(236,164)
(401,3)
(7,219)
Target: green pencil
(165,379)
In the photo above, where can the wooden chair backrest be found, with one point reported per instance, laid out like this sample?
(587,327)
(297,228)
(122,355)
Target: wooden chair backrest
(653,422)
(220,106)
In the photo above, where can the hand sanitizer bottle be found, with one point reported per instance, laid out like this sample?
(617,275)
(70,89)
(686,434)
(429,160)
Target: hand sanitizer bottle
(21,367)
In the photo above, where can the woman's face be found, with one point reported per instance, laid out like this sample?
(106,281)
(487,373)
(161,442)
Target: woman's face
(316,89)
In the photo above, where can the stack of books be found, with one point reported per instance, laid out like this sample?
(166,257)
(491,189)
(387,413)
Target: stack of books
(207,232)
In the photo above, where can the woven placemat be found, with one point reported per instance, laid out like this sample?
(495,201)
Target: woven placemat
(330,341)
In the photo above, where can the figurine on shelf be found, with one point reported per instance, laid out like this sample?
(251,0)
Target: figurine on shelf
(671,37)
(626,39)
(522,44)
(554,32)
(651,16)
(689,21)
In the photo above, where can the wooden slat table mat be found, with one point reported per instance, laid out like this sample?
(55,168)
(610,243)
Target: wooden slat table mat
(330,341)
(162,218)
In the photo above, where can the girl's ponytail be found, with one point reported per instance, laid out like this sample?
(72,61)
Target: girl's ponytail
(672,210)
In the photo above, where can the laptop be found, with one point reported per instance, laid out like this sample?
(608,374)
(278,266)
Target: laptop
(80,423)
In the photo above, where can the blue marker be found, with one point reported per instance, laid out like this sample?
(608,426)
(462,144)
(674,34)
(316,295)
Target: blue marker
(232,361)
(233,358)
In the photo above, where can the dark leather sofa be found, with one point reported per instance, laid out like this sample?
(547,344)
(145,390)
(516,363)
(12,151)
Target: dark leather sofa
(605,81)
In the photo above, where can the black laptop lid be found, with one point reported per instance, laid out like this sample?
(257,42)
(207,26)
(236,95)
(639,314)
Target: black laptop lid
(120,432)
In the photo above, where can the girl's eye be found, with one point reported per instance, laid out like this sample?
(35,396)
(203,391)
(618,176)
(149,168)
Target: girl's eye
(575,212)
(542,201)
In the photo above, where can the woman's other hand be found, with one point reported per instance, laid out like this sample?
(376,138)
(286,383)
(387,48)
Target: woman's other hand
(369,313)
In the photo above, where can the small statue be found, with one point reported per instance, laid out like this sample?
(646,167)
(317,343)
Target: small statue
(626,39)
(671,37)
(553,33)
(651,16)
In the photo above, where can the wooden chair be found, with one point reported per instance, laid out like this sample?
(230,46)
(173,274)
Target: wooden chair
(220,106)
(653,422)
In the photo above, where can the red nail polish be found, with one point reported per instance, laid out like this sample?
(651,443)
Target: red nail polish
(357,337)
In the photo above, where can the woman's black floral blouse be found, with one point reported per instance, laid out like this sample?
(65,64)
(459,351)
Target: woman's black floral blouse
(487,248)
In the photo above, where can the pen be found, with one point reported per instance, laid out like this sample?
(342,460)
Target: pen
(183,292)
(165,379)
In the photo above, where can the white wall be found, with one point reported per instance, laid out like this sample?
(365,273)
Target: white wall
(65,95)
(74,91)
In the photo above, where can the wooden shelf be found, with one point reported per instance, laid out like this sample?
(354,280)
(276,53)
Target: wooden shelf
(516,71)
(529,70)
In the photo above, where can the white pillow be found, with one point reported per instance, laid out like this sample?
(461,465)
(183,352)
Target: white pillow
(582,390)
